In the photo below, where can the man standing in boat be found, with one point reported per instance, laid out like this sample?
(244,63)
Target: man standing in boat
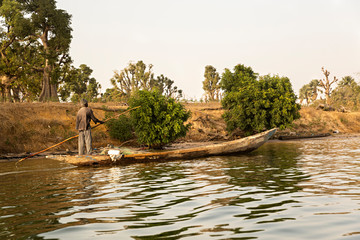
(83,118)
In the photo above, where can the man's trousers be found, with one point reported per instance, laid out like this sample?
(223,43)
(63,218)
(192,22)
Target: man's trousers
(85,140)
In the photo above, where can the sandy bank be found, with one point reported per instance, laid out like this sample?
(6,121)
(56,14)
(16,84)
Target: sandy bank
(31,127)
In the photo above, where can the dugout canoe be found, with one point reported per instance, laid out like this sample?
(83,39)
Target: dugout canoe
(238,146)
(294,137)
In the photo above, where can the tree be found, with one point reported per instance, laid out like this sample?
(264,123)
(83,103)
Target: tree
(346,94)
(325,84)
(92,90)
(347,81)
(112,95)
(310,92)
(314,85)
(15,29)
(165,86)
(135,77)
(52,29)
(211,84)
(255,105)
(34,47)
(305,93)
(159,120)
(78,84)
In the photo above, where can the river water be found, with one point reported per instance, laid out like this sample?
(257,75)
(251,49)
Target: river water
(284,190)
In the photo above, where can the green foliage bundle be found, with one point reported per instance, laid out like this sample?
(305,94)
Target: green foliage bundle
(120,128)
(159,120)
(255,105)
(232,81)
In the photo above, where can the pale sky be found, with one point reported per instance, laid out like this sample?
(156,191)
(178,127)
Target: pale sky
(292,38)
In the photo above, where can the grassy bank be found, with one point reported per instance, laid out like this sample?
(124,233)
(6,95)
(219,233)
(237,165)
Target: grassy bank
(31,127)
(28,127)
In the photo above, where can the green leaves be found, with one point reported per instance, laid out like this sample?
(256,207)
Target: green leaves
(239,78)
(255,105)
(79,83)
(347,94)
(159,120)
(35,38)
(120,128)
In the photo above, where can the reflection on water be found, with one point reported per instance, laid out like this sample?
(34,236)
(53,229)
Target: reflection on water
(284,190)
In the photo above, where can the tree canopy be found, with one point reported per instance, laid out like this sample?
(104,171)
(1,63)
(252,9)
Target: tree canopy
(232,81)
(310,92)
(35,40)
(139,76)
(78,83)
(346,94)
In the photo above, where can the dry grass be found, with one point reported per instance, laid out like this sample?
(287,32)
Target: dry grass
(31,127)
(317,121)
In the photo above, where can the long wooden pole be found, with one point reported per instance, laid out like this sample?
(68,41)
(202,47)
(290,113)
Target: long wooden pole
(58,144)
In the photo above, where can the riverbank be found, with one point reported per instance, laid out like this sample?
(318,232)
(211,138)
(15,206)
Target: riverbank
(31,127)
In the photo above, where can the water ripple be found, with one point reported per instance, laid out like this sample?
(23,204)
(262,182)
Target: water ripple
(281,191)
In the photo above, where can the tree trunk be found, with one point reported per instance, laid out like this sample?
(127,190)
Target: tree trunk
(16,94)
(327,94)
(53,91)
(2,89)
(6,83)
(49,91)
(45,94)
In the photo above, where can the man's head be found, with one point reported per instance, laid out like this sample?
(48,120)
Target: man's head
(83,103)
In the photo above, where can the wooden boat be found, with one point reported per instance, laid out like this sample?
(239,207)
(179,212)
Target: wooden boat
(242,145)
(294,137)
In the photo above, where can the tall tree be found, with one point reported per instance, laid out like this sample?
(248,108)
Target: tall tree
(136,76)
(52,29)
(211,84)
(326,83)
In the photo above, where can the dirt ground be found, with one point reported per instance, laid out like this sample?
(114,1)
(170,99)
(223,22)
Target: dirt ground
(31,127)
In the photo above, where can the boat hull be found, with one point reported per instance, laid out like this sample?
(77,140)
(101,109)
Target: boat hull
(242,145)
(295,137)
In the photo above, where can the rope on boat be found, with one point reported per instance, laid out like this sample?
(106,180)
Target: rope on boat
(58,144)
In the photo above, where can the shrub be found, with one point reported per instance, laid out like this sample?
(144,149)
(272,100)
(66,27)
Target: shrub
(120,128)
(159,120)
(255,105)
